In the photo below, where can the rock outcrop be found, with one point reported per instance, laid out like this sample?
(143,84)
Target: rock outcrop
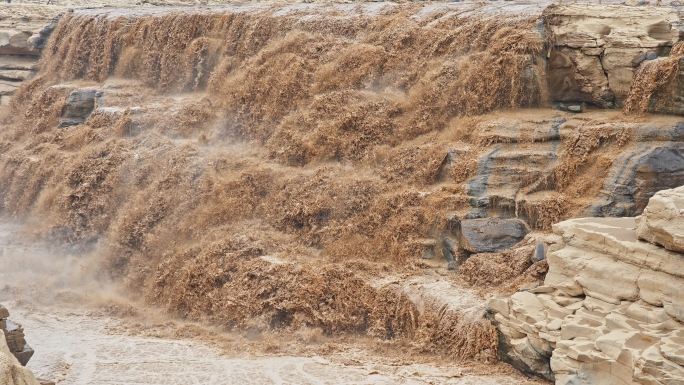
(14,338)
(524,166)
(663,220)
(23,35)
(596,49)
(79,106)
(611,310)
(12,370)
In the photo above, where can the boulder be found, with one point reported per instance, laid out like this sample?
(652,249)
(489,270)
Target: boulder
(79,106)
(490,235)
(663,220)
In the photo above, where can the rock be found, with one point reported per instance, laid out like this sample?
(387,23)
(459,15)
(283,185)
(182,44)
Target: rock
(539,252)
(588,329)
(428,246)
(79,106)
(449,252)
(490,235)
(23,34)
(516,176)
(577,108)
(16,75)
(663,220)
(597,48)
(636,176)
(12,370)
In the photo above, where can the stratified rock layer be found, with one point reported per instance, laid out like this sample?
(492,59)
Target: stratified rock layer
(11,370)
(23,34)
(14,338)
(610,312)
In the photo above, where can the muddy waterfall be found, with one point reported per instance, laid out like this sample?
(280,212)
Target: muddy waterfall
(404,173)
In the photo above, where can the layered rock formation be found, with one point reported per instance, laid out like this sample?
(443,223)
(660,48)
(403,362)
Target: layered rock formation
(23,34)
(611,310)
(14,337)
(596,49)
(531,168)
(12,370)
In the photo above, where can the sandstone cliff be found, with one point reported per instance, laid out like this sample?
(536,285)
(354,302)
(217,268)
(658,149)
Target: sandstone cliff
(611,309)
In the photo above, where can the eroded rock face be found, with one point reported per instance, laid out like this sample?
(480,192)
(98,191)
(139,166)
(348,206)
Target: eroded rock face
(12,371)
(597,48)
(610,312)
(663,220)
(23,35)
(522,162)
(14,338)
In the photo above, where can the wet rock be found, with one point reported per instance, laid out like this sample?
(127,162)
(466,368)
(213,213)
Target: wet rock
(490,235)
(79,106)
(539,252)
(449,251)
(38,40)
(636,176)
(663,220)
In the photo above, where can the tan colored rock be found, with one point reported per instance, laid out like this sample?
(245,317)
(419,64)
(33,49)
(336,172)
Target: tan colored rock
(11,372)
(663,220)
(614,316)
(598,47)
(672,348)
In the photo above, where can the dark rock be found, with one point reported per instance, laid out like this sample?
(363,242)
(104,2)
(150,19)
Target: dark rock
(449,252)
(636,176)
(69,122)
(79,105)
(539,252)
(491,234)
(24,355)
(39,40)
(651,55)
(502,174)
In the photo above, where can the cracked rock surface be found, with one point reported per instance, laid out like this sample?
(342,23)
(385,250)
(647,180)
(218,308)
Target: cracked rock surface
(610,312)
